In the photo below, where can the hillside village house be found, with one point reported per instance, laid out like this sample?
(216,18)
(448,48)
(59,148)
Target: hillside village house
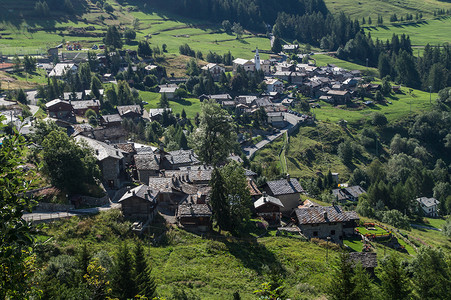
(60,109)
(253,65)
(287,191)
(130,111)
(268,208)
(429,206)
(276,119)
(215,70)
(273,85)
(62,69)
(80,107)
(147,165)
(194,216)
(139,203)
(169,90)
(108,158)
(351,193)
(326,221)
(111,120)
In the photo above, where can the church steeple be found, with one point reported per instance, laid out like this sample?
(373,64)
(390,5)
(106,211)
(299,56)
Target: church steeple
(257,60)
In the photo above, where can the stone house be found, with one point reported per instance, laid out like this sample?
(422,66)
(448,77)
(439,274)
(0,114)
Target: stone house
(326,221)
(273,85)
(130,111)
(287,191)
(169,91)
(429,206)
(109,159)
(147,165)
(351,193)
(268,208)
(111,120)
(193,216)
(139,203)
(368,260)
(339,97)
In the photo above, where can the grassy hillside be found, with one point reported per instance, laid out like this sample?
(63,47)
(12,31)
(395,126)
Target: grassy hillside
(434,32)
(373,8)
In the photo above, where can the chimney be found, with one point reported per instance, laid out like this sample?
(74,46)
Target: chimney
(134,193)
(325,215)
(97,151)
(288,177)
(265,195)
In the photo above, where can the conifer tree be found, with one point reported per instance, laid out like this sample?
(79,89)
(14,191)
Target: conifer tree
(83,259)
(219,202)
(145,284)
(395,283)
(123,283)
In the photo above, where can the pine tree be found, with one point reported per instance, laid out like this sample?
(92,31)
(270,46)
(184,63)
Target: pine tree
(363,286)
(183,114)
(145,285)
(21,97)
(341,285)
(218,201)
(123,283)
(164,102)
(395,283)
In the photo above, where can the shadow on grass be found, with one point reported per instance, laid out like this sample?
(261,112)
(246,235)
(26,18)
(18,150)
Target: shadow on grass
(255,256)
(183,102)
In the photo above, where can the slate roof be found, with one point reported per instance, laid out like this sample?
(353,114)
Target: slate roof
(180,157)
(253,189)
(111,118)
(339,194)
(143,191)
(61,69)
(249,173)
(168,90)
(128,108)
(317,214)
(162,184)
(355,191)
(285,186)
(158,111)
(85,104)
(55,102)
(192,175)
(101,150)
(146,162)
(267,199)
(428,202)
(126,147)
(194,210)
(367,259)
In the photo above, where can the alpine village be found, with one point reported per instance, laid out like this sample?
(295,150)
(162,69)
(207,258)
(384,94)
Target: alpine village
(225,149)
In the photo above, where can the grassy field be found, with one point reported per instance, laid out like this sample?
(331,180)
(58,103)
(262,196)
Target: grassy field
(400,107)
(190,105)
(434,32)
(324,60)
(211,269)
(373,8)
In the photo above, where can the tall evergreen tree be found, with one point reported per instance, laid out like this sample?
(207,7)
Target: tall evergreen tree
(144,282)
(341,286)
(218,201)
(394,281)
(123,283)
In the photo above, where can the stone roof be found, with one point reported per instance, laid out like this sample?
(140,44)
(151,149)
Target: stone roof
(192,175)
(355,191)
(146,162)
(267,199)
(253,189)
(55,102)
(126,147)
(143,191)
(112,118)
(180,157)
(367,259)
(168,90)
(158,111)
(101,150)
(194,210)
(85,104)
(324,214)
(339,194)
(162,184)
(285,186)
(249,173)
(124,109)
(428,202)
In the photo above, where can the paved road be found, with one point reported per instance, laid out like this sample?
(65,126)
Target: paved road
(292,121)
(47,215)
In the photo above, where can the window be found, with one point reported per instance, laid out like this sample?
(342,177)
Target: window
(332,232)
(315,233)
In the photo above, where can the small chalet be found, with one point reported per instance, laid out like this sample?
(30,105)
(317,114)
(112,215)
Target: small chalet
(60,109)
(368,260)
(429,206)
(80,107)
(351,193)
(196,217)
(111,120)
(130,111)
(139,203)
(287,191)
(339,97)
(215,70)
(169,91)
(155,114)
(268,208)
(62,69)
(326,221)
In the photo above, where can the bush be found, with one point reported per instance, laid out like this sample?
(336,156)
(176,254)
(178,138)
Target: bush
(396,218)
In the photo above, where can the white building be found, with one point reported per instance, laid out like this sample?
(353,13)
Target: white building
(215,70)
(429,206)
(273,85)
(62,69)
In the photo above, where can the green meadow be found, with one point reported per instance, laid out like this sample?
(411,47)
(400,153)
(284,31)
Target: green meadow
(434,32)
(190,105)
(373,8)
